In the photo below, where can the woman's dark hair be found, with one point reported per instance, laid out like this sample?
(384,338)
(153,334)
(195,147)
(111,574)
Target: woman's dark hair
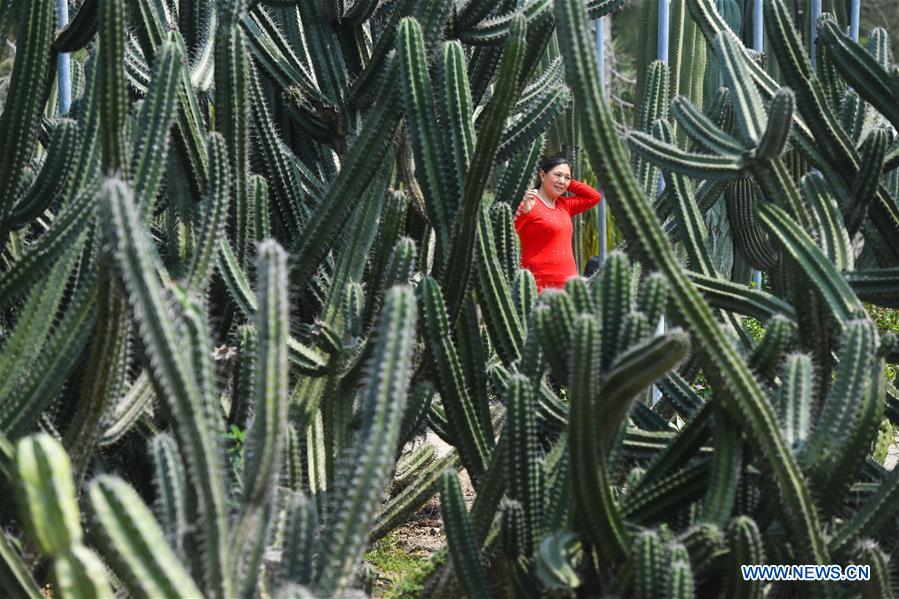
(548,163)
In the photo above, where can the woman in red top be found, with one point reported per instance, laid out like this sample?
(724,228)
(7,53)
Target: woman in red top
(543,223)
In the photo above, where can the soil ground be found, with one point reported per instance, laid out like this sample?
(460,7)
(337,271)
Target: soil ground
(422,536)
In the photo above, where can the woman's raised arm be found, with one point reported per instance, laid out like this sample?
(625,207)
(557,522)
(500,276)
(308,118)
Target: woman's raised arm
(584,198)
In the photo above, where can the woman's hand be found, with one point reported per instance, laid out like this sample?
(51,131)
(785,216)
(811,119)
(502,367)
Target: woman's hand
(527,202)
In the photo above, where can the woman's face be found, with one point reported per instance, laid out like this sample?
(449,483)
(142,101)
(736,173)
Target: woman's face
(556,181)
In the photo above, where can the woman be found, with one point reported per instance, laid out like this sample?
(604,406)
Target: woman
(543,222)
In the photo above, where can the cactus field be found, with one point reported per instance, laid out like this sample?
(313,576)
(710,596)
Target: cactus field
(253,252)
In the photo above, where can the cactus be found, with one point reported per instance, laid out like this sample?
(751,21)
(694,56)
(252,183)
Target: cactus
(464,551)
(19,121)
(46,498)
(134,543)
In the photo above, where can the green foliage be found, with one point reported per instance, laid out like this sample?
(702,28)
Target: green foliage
(401,574)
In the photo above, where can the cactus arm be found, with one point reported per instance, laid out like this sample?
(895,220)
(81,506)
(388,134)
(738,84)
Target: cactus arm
(780,119)
(232,77)
(55,177)
(545,110)
(880,286)
(171,492)
(612,297)
(463,544)
(49,511)
(81,574)
(134,544)
(15,578)
(701,129)
(553,326)
(594,504)
(384,399)
(215,214)
(283,179)
(655,107)
(473,357)
(465,228)
(174,373)
(79,31)
(32,393)
(270,374)
(748,108)
(833,236)
(862,70)
(633,371)
(868,552)
(418,100)
(104,377)
(301,539)
(745,544)
(325,54)
(516,176)
(647,557)
(748,237)
(309,360)
(350,265)
(842,411)
(768,354)
(154,121)
(473,12)
(363,86)
(865,185)
(725,471)
(361,163)
(670,493)
(113,94)
(46,494)
(25,340)
(684,446)
(692,227)
(495,30)
(456,112)
(190,130)
(21,115)
(392,226)
(738,298)
(524,294)
(457,401)
(523,463)
(692,164)
(634,216)
(494,295)
(151,22)
(813,263)
(796,399)
(67,230)
(275,54)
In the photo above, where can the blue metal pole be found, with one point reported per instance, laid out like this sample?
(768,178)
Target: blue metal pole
(601,59)
(758,27)
(813,15)
(854,7)
(758,44)
(664,19)
(63,73)
(662,54)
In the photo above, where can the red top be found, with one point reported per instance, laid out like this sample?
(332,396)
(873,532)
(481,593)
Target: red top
(546,235)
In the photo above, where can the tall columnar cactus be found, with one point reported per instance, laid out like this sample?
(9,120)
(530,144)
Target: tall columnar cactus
(46,498)
(20,118)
